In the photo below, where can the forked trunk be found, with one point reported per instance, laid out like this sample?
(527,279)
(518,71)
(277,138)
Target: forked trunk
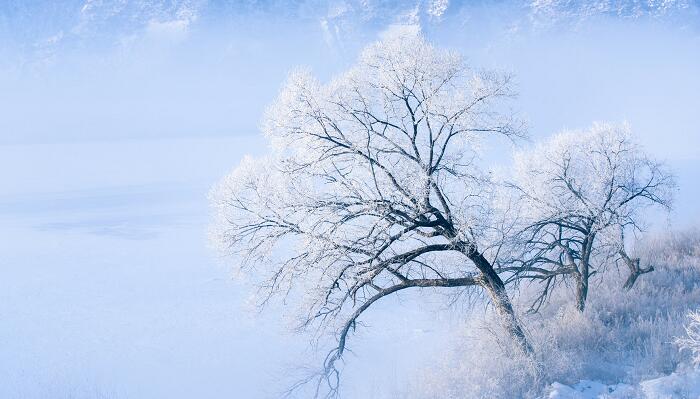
(635,270)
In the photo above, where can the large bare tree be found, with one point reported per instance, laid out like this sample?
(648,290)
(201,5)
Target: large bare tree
(579,192)
(374,185)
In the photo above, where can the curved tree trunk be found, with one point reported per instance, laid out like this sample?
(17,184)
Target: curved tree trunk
(499,297)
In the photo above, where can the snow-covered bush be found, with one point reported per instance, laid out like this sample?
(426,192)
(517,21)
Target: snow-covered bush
(623,336)
(691,341)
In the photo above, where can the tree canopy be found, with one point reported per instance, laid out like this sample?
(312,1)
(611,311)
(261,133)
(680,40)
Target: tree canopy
(374,185)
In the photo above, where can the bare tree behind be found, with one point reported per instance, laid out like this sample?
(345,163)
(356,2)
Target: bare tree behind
(374,186)
(579,192)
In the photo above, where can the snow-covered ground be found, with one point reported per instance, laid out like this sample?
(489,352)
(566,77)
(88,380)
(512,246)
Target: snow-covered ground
(680,385)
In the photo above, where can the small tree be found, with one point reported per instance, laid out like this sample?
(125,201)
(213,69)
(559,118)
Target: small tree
(374,186)
(579,192)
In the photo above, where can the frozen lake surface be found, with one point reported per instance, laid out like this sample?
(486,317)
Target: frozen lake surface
(108,288)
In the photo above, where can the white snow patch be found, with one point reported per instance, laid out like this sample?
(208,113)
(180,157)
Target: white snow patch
(676,385)
(680,385)
(590,390)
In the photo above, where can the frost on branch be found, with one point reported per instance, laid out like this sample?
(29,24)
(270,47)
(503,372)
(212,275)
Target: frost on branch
(691,341)
(374,185)
(579,193)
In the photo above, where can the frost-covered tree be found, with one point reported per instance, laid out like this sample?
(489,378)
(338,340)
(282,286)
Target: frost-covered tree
(579,192)
(691,340)
(374,185)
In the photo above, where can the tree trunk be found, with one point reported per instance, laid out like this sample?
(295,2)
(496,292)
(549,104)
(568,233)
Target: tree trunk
(499,297)
(635,270)
(631,279)
(582,288)
(584,273)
